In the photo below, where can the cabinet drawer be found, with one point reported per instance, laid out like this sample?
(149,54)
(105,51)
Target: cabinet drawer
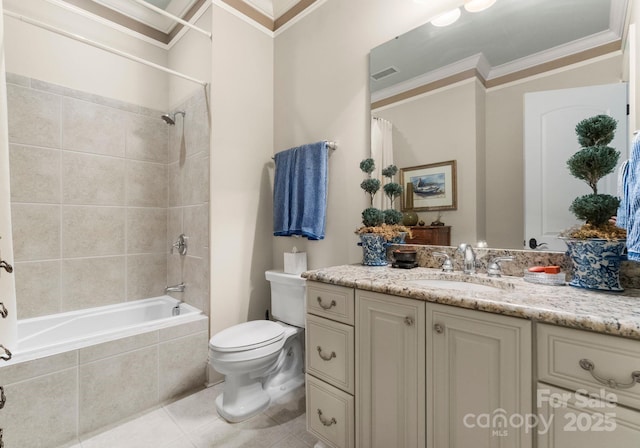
(330,354)
(561,351)
(331,301)
(330,414)
(570,420)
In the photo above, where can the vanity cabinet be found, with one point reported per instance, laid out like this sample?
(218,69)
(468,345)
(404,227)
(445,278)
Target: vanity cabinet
(390,364)
(589,388)
(430,235)
(330,364)
(478,367)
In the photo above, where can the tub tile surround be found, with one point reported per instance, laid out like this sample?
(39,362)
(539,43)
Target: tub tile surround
(94,180)
(188,199)
(610,313)
(80,392)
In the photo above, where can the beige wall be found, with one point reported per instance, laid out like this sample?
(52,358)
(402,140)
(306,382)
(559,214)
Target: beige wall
(42,54)
(190,55)
(321,93)
(435,128)
(241,167)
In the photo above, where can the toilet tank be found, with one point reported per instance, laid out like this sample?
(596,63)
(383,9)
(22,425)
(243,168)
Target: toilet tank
(288,301)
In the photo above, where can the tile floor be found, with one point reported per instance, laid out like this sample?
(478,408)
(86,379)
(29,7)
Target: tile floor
(193,422)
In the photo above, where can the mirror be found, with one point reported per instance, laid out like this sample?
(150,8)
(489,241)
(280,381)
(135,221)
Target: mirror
(456,93)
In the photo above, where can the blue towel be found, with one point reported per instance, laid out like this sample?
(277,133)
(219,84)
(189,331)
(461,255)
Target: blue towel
(629,210)
(300,191)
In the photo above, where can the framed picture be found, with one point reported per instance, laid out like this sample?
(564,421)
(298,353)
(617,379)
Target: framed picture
(429,187)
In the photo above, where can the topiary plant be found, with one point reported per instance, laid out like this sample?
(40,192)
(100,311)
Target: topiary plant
(392,190)
(375,220)
(591,163)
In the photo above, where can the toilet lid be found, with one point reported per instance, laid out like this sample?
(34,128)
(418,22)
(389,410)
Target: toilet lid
(247,336)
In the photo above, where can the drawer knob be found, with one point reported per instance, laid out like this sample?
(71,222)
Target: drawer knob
(325,421)
(325,357)
(590,367)
(408,321)
(438,328)
(326,307)
(3,310)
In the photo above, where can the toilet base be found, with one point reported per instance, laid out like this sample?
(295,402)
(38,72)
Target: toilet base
(278,391)
(242,398)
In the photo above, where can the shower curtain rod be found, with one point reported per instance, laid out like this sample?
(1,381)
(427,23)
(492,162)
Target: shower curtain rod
(172,17)
(103,47)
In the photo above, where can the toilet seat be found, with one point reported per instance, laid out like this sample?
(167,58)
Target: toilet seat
(247,336)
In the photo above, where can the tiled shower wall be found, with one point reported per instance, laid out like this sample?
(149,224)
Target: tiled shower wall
(188,170)
(92,180)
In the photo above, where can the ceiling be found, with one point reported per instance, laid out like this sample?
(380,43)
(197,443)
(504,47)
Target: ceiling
(512,35)
(131,14)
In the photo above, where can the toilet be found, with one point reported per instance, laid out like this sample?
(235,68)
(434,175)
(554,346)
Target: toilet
(262,359)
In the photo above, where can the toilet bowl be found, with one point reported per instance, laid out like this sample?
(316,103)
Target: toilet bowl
(262,359)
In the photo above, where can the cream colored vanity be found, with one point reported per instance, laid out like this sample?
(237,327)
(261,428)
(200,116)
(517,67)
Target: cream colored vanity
(389,366)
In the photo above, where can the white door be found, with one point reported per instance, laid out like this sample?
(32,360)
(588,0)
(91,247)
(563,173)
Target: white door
(550,119)
(8,333)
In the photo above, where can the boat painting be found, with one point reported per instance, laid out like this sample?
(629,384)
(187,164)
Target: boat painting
(432,185)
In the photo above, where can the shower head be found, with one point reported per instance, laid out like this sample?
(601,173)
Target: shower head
(170,119)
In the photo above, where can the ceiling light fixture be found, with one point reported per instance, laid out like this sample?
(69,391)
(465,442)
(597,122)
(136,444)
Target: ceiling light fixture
(447,18)
(478,5)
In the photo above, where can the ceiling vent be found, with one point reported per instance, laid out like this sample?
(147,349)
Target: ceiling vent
(384,73)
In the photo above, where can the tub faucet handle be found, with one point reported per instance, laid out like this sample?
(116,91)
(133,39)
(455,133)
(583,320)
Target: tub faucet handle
(181,244)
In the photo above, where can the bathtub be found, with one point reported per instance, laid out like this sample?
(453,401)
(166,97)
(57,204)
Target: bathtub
(56,333)
(86,370)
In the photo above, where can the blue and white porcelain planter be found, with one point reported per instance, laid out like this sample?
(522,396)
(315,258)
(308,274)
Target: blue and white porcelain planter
(374,249)
(596,263)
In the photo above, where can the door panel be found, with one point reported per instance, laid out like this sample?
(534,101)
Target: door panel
(549,140)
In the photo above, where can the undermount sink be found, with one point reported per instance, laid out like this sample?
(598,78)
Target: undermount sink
(456,285)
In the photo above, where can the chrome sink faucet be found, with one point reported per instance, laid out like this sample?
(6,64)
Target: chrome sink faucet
(469,258)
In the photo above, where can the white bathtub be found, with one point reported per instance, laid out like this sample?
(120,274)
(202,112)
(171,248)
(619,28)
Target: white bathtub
(56,333)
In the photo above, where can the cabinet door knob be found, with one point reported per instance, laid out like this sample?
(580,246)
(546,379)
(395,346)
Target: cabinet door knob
(325,421)
(408,321)
(438,328)
(325,357)
(3,310)
(590,367)
(326,307)
(3,397)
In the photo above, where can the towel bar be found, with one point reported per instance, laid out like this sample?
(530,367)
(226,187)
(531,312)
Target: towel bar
(331,145)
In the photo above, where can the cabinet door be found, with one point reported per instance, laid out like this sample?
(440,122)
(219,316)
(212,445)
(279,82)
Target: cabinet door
(568,419)
(478,375)
(390,338)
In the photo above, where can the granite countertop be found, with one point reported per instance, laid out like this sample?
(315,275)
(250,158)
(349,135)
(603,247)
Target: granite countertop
(610,313)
